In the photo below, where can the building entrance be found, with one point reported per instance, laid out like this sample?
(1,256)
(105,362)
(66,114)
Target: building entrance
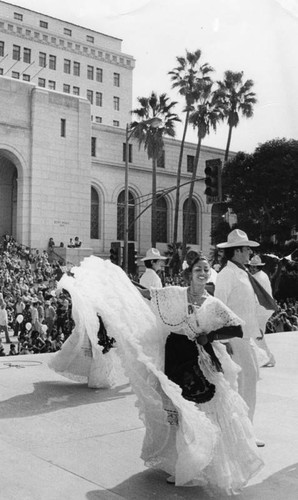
(8,195)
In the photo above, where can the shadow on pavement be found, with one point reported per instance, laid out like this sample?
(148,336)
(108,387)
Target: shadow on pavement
(151,484)
(52,396)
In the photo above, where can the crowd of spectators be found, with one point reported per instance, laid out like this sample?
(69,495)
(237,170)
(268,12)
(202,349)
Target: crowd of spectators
(33,317)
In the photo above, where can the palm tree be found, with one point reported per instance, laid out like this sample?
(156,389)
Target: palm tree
(238,98)
(156,119)
(208,112)
(184,78)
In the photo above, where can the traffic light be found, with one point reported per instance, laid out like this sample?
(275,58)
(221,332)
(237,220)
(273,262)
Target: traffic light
(132,259)
(213,180)
(115,253)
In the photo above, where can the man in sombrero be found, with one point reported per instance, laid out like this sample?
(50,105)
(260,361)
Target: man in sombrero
(238,290)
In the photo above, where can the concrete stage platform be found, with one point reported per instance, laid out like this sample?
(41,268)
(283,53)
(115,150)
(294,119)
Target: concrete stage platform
(60,440)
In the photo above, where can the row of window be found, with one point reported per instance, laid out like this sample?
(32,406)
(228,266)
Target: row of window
(162,218)
(44,24)
(70,45)
(160,161)
(93,73)
(94,97)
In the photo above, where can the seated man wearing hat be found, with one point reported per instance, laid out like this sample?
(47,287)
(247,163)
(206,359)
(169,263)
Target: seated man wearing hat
(152,261)
(234,287)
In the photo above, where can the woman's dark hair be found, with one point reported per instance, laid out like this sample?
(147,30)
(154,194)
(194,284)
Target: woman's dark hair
(196,260)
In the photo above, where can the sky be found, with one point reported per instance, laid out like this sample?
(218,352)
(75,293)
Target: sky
(258,37)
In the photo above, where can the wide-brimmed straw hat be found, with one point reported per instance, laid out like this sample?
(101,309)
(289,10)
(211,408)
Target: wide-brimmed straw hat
(256,261)
(153,254)
(237,238)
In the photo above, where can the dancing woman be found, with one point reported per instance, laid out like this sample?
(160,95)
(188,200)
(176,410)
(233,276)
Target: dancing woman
(197,429)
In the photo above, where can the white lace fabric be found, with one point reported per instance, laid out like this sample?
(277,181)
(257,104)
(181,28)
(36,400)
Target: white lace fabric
(177,315)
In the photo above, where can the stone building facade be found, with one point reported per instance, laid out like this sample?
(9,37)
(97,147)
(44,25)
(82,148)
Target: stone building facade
(61,170)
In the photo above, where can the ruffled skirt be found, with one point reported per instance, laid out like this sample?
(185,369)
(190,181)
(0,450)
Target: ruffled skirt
(210,444)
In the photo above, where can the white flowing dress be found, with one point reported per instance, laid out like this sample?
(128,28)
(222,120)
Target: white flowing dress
(210,444)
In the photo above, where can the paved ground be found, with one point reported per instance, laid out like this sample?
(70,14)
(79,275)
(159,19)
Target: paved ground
(60,440)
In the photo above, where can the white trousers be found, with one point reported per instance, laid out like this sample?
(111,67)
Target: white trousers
(245,357)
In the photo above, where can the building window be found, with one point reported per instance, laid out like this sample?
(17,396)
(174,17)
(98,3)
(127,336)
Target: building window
(93,146)
(76,68)
(116,80)
(19,30)
(52,85)
(42,59)
(90,96)
(66,66)
(99,74)
(69,45)
(98,97)
(15,74)
(1,49)
(61,42)
(66,88)
(53,39)
(10,27)
(36,35)
(190,163)
(192,233)
(116,102)
(94,222)
(161,160)
(52,62)
(43,24)
(41,82)
(116,123)
(90,72)
(17,16)
(27,55)
(26,78)
(90,38)
(161,220)
(16,52)
(129,152)
(67,31)
(63,127)
(45,38)
(77,46)
(98,119)
(1,71)
(28,32)
(131,216)
(76,90)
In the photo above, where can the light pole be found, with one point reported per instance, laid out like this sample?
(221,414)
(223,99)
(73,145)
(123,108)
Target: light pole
(125,248)
(154,122)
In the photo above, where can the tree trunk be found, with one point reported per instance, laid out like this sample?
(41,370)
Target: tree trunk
(228,144)
(176,215)
(191,190)
(153,206)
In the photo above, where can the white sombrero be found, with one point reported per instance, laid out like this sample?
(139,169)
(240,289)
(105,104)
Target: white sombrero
(238,238)
(153,254)
(256,261)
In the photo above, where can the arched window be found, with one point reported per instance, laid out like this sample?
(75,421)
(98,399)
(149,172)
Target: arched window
(131,216)
(94,222)
(193,222)
(162,220)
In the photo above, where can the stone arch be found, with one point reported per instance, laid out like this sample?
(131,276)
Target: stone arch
(11,194)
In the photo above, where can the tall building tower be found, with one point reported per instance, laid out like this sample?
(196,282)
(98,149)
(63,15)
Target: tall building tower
(62,56)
